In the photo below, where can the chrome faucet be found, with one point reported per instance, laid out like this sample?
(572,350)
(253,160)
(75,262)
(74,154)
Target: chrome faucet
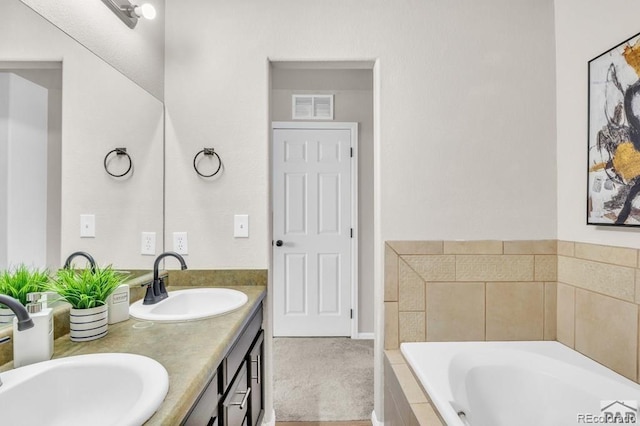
(67,263)
(24,320)
(156,290)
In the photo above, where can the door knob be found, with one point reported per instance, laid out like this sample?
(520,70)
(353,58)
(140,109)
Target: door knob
(279,243)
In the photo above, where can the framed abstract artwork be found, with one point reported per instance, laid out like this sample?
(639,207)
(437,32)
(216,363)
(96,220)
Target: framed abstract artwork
(614,136)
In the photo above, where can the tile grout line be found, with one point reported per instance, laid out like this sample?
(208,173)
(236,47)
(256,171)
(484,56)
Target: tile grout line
(398,302)
(544,309)
(485,310)
(573,344)
(426,326)
(455,268)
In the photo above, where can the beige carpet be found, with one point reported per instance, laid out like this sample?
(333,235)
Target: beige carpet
(322,379)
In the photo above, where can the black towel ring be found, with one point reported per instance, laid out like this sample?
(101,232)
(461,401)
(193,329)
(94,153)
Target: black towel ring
(119,152)
(207,152)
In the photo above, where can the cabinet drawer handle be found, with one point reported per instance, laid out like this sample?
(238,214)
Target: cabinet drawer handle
(257,370)
(244,400)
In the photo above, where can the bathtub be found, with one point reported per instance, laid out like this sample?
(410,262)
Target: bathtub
(520,384)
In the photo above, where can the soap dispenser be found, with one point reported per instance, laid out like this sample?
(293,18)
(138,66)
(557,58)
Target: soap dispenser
(35,344)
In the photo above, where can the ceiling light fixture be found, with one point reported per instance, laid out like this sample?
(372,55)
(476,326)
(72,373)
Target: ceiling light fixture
(129,13)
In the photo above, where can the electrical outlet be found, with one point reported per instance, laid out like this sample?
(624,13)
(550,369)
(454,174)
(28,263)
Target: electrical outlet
(148,243)
(180,244)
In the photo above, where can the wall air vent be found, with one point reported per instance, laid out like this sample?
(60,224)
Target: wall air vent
(312,107)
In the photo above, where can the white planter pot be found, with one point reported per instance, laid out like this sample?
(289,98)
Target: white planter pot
(6,316)
(88,324)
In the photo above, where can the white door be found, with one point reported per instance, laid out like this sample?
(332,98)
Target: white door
(312,232)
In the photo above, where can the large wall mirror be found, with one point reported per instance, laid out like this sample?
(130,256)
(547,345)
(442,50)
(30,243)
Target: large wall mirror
(83,109)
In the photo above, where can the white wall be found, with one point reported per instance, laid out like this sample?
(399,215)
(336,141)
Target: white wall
(584,30)
(137,53)
(468,135)
(26,171)
(353,102)
(464,94)
(101,110)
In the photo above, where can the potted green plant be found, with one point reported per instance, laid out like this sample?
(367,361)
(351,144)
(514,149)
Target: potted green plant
(86,291)
(17,283)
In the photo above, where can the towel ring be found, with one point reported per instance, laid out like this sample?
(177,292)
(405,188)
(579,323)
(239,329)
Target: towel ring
(207,152)
(119,152)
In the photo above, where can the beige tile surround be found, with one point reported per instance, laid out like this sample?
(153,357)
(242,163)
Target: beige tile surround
(469,290)
(598,296)
(586,296)
(405,402)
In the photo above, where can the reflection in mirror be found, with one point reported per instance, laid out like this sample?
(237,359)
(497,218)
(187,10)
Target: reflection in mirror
(30,149)
(91,108)
(137,53)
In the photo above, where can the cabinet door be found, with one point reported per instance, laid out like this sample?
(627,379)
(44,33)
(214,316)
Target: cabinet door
(255,360)
(236,403)
(238,353)
(205,411)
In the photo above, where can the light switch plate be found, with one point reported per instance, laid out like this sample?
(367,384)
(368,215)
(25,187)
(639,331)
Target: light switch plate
(241,226)
(87,226)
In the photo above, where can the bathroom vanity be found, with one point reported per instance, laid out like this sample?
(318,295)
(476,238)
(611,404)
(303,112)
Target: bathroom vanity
(234,394)
(212,363)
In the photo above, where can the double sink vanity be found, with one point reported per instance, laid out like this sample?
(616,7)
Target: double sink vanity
(214,366)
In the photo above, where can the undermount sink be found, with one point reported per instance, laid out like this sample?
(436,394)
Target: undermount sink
(189,305)
(97,389)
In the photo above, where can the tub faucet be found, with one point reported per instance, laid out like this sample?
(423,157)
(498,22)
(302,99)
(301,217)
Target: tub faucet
(156,290)
(24,320)
(67,263)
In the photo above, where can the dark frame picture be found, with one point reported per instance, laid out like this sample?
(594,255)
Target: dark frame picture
(613,178)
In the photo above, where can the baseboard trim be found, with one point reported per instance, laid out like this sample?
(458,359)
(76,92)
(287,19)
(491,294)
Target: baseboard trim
(271,421)
(374,419)
(364,336)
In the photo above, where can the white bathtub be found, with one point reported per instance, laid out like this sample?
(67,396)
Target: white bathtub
(518,384)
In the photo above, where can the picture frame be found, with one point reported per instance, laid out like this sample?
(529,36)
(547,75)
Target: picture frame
(613,169)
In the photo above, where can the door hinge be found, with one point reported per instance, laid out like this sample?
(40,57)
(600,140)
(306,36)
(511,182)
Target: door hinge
(351,152)
(351,314)
(351,232)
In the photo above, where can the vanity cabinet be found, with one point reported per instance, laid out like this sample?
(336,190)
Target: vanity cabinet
(205,411)
(255,369)
(236,405)
(234,395)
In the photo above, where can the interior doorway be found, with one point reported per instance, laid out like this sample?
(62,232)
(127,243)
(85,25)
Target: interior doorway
(314,218)
(351,84)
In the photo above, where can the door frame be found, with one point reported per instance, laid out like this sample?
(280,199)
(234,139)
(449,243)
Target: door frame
(353,128)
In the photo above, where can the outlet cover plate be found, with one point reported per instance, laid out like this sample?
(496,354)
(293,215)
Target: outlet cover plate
(148,244)
(180,243)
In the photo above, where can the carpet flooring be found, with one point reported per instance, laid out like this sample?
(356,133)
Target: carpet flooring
(322,379)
